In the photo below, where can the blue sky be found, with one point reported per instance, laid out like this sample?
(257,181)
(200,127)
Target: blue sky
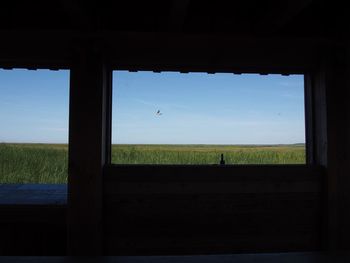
(34,106)
(197,108)
(201,108)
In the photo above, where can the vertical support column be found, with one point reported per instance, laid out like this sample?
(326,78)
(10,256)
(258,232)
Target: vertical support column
(331,146)
(88,147)
(318,138)
(342,85)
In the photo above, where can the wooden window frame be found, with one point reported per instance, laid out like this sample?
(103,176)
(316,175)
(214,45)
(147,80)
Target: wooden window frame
(308,123)
(92,57)
(116,175)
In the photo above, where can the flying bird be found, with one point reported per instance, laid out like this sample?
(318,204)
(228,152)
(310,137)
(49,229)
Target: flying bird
(159,113)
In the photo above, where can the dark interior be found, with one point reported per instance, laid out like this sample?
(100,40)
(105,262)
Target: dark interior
(126,210)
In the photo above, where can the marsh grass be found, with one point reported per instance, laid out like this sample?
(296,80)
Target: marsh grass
(207,154)
(33,163)
(48,163)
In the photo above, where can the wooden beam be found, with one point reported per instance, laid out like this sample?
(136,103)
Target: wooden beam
(344,200)
(337,84)
(76,13)
(162,51)
(205,179)
(331,137)
(214,53)
(88,146)
(178,13)
(281,13)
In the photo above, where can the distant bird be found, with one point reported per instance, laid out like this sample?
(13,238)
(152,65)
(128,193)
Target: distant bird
(159,113)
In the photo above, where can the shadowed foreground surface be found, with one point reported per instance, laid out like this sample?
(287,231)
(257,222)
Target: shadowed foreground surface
(33,194)
(308,257)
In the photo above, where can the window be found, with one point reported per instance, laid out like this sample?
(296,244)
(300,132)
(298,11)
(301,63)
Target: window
(34,126)
(200,118)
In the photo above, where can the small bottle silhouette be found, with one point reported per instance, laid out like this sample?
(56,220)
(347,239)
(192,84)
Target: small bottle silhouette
(222,161)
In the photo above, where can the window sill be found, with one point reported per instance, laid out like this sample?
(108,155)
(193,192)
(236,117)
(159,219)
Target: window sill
(312,257)
(33,194)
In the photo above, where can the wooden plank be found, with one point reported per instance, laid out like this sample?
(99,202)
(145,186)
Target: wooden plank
(326,135)
(291,257)
(33,230)
(319,119)
(212,187)
(152,179)
(164,51)
(330,144)
(309,119)
(338,182)
(187,208)
(280,14)
(178,13)
(317,131)
(210,173)
(344,184)
(215,53)
(77,13)
(87,153)
(220,223)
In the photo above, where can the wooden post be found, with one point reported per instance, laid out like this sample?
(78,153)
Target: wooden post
(88,147)
(331,147)
(345,180)
(339,179)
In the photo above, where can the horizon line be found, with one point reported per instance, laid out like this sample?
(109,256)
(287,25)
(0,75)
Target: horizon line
(242,144)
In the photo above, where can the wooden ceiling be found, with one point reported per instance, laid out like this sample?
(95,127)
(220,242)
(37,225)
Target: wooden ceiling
(295,18)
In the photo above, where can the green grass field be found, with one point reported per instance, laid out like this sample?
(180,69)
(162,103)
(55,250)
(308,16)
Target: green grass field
(33,163)
(48,163)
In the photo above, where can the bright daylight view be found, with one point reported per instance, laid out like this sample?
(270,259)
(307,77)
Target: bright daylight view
(157,118)
(34,126)
(206,119)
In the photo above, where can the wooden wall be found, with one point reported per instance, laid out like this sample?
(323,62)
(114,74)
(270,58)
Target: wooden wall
(207,210)
(33,230)
(178,210)
(149,210)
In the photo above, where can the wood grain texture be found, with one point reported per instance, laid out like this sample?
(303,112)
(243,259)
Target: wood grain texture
(87,152)
(33,230)
(183,210)
(305,257)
